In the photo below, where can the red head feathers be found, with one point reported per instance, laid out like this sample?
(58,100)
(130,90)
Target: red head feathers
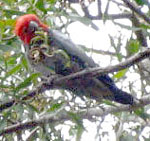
(23,27)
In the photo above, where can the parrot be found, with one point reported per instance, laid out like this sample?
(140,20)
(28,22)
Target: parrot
(51,52)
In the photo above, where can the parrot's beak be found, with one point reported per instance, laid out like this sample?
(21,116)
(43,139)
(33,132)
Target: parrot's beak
(33,26)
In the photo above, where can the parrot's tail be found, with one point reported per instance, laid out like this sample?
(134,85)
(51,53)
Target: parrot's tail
(122,97)
(117,94)
(98,89)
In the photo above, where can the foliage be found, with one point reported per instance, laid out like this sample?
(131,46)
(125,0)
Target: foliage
(17,79)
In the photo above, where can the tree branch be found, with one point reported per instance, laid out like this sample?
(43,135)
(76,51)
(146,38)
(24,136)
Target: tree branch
(87,13)
(99,15)
(62,115)
(58,82)
(139,33)
(118,16)
(29,138)
(98,51)
(136,10)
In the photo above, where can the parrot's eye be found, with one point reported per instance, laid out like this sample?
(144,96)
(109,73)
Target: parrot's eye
(33,26)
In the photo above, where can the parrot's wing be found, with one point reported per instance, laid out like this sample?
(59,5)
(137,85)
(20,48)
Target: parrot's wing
(63,42)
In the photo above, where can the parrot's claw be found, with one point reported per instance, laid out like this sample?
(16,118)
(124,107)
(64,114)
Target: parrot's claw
(44,78)
(36,55)
(136,101)
(50,79)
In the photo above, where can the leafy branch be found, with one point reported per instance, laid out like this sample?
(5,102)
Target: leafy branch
(56,82)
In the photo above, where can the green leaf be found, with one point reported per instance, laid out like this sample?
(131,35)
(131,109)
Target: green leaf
(8,22)
(13,59)
(80,130)
(14,70)
(145,26)
(76,118)
(120,74)
(24,63)
(13,12)
(27,81)
(76,17)
(40,5)
(52,1)
(33,108)
(19,109)
(127,27)
(127,137)
(5,48)
(141,113)
(133,47)
(119,56)
(140,2)
(9,2)
(3,124)
(79,125)
(55,107)
(108,102)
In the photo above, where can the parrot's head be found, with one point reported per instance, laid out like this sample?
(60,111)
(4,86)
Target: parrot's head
(26,26)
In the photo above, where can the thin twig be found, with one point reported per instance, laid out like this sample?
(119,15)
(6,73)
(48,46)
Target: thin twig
(136,10)
(98,51)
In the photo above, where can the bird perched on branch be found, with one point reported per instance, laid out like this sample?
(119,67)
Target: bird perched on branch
(51,52)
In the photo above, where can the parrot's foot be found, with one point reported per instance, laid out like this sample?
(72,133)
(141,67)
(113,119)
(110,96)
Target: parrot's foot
(136,101)
(50,79)
(44,78)
(36,55)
